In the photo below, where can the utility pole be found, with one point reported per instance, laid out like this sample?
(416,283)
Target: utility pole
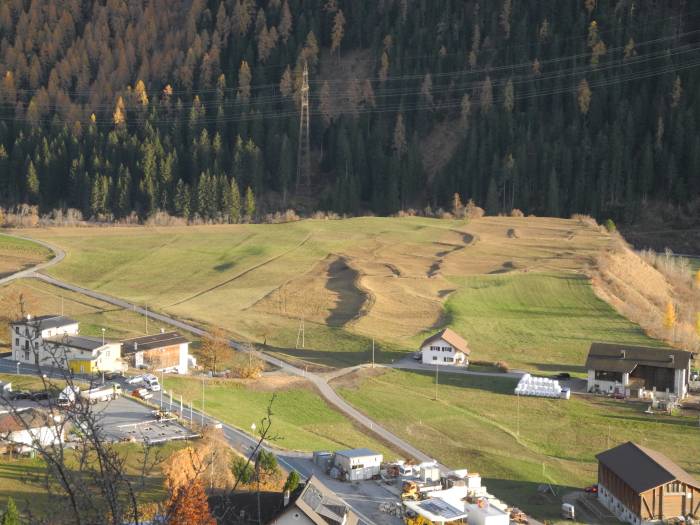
(373,352)
(304,153)
(517,433)
(202,402)
(146,319)
(437,368)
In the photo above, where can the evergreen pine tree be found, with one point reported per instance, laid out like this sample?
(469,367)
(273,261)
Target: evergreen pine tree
(249,204)
(32,184)
(235,212)
(11,515)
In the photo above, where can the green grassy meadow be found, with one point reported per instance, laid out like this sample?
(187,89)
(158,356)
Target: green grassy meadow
(21,478)
(17,254)
(301,419)
(519,298)
(475,424)
(543,321)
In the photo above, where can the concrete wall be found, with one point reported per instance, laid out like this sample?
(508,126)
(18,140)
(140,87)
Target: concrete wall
(606,386)
(359,468)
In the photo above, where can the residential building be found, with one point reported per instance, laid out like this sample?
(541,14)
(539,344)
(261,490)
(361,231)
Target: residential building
(164,351)
(638,371)
(640,485)
(29,333)
(445,348)
(359,463)
(25,430)
(83,355)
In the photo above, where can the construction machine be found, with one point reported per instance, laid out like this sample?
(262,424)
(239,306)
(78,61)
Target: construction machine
(410,490)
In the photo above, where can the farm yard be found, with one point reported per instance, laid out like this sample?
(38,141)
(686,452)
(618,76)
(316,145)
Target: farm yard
(475,423)
(388,279)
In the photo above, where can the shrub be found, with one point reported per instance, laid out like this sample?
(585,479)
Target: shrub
(472,211)
(515,212)
(503,366)
(610,226)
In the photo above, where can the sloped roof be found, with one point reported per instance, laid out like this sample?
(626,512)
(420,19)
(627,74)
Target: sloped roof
(642,468)
(21,420)
(149,342)
(45,322)
(450,336)
(322,506)
(625,358)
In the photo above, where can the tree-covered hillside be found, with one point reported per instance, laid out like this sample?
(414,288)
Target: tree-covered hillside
(192,107)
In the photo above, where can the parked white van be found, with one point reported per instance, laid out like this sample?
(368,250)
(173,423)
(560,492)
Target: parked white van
(151,382)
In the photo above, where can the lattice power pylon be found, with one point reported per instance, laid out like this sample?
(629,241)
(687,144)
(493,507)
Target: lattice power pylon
(304,153)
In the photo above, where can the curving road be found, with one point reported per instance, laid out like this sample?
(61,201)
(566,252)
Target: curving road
(319,382)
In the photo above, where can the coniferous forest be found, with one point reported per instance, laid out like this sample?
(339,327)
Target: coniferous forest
(192,107)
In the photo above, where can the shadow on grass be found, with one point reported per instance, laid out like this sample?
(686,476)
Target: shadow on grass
(342,280)
(527,496)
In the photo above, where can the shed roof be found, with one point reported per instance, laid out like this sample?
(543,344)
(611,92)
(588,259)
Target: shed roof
(45,322)
(323,506)
(357,453)
(21,420)
(450,336)
(150,342)
(625,358)
(642,468)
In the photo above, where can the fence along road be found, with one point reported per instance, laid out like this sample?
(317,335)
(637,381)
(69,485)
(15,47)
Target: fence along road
(319,382)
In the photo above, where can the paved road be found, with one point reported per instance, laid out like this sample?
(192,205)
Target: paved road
(59,255)
(409,363)
(319,382)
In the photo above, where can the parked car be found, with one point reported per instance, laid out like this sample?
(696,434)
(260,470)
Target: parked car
(110,376)
(21,395)
(142,393)
(563,375)
(40,396)
(151,382)
(593,489)
(418,356)
(136,380)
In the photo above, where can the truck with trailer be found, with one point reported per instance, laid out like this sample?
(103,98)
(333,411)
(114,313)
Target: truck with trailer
(103,393)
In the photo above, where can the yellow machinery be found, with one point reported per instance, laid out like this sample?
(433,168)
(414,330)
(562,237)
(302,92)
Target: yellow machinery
(410,491)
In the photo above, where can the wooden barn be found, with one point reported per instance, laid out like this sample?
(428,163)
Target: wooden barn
(640,485)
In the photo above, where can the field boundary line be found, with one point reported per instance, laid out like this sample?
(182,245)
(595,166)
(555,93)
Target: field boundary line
(241,274)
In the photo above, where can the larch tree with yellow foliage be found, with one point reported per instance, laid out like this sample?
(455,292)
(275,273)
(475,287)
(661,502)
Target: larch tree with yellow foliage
(670,316)
(697,279)
(119,114)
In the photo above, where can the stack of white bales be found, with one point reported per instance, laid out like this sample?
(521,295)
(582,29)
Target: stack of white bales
(538,386)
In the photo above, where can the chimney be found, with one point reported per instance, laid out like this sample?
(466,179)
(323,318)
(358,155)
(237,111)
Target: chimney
(671,358)
(623,354)
(136,346)
(286,498)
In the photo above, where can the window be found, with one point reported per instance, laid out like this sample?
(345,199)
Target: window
(26,345)
(16,341)
(17,330)
(674,488)
(26,355)
(434,358)
(434,348)
(448,359)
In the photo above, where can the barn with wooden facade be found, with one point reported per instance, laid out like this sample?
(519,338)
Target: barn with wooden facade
(166,351)
(641,486)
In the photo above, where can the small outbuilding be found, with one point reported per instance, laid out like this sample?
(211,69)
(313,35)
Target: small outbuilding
(358,464)
(445,348)
(640,485)
(638,371)
(28,429)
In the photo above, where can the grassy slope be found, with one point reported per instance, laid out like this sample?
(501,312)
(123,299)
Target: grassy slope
(21,479)
(545,321)
(42,298)
(474,425)
(17,254)
(301,419)
(220,275)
